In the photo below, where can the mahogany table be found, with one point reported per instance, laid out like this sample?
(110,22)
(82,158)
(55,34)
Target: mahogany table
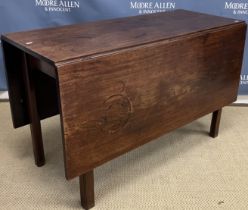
(118,84)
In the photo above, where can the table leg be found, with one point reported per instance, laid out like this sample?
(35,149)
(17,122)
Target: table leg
(214,128)
(35,125)
(86,182)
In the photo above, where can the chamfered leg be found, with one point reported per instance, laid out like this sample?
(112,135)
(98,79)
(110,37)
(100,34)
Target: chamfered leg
(215,123)
(35,125)
(86,182)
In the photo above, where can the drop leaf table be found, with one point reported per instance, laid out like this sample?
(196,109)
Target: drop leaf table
(118,84)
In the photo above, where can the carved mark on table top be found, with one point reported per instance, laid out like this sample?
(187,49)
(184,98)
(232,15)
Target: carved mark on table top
(116,111)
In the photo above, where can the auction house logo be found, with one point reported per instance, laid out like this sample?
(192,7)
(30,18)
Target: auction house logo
(244,79)
(237,8)
(151,6)
(57,5)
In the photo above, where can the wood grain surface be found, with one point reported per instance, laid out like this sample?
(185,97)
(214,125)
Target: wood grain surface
(116,102)
(121,83)
(75,41)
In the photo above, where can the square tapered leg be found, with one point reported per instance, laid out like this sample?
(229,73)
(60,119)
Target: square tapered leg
(35,125)
(86,182)
(214,128)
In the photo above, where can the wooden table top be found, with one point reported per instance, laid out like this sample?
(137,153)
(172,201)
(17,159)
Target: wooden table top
(66,43)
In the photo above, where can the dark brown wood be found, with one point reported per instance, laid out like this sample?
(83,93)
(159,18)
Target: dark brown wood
(86,182)
(16,88)
(76,41)
(45,85)
(215,123)
(35,125)
(119,84)
(136,95)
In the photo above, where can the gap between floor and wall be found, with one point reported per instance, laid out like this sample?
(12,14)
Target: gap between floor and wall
(4,96)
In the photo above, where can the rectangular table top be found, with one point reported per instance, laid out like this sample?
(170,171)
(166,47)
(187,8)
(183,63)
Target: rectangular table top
(122,83)
(66,43)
